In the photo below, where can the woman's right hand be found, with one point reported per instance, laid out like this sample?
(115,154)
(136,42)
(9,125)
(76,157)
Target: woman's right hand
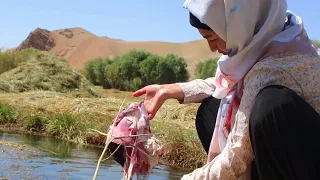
(156,95)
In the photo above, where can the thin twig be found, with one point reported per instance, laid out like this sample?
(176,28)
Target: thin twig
(107,144)
(99,132)
(119,137)
(135,135)
(98,165)
(112,153)
(133,146)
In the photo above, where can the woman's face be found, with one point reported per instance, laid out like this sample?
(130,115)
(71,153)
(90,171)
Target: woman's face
(214,41)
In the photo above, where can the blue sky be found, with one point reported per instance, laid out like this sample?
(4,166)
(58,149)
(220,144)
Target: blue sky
(140,20)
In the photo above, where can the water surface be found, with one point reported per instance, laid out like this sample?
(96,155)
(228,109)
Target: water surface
(56,159)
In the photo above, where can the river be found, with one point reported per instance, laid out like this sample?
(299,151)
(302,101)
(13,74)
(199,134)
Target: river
(48,158)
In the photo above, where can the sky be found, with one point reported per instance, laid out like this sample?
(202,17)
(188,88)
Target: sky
(131,20)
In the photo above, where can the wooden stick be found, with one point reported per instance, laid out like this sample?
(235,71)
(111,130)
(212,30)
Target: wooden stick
(99,132)
(107,144)
(98,165)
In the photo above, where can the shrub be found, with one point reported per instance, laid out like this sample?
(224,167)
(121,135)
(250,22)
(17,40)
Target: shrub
(136,69)
(172,69)
(36,123)
(94,71)
(65,126)
(7,114)
(125,69)
(10,60)
(206,68)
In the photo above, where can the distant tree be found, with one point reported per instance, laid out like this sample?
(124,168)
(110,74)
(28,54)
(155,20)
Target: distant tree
(136,69)
(137,55)
(149,70)
(206,69)
(94,71)
(111,74)
(171,69)
(89,72)
(178,68)
(124,73)
(100,66)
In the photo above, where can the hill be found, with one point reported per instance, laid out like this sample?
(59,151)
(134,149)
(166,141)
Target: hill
(78,45)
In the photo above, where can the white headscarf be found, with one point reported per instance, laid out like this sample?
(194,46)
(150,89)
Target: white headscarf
(247,26)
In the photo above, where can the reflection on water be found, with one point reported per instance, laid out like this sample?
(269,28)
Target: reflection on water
(63,160)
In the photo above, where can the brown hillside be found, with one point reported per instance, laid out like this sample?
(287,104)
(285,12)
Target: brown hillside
(40,39)
(78,45)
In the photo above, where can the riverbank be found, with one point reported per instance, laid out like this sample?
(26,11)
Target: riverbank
(66,117)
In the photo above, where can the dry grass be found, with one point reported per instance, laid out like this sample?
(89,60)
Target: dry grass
(174,122)
(43,72)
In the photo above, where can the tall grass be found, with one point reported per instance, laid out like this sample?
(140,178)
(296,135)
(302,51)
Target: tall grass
(181,145)
(7,114)
(63,126)
(10,60)
(35,123)
(67,126)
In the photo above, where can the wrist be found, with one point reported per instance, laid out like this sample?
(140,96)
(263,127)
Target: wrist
(173,91)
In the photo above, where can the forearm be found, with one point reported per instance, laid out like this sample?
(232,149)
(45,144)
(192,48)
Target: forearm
(197,90)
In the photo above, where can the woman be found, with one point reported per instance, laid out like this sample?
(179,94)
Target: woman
(260,114)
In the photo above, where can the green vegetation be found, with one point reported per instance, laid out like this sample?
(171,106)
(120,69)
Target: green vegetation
(10,60)
(206,68)
(35,123)
(64,126)
(60,125)
(135,70)
(7,114)
(317,43)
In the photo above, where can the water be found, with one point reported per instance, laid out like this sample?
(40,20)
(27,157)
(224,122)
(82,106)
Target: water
(57,159)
